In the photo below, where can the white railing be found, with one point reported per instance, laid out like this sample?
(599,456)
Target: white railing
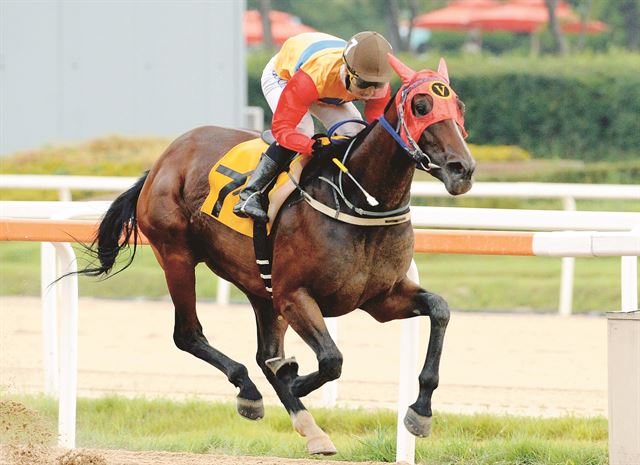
(525,190)
(567,193)
(533,190)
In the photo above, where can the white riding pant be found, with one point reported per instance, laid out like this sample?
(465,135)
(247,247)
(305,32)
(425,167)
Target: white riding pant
(272,86)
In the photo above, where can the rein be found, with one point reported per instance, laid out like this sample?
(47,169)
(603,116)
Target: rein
(366,217)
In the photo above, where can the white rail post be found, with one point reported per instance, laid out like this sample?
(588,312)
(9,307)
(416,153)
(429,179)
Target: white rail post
(224,290)
(330,389)
(64,194)
(567,272)
(69,348)
(408,384)
(629,283)
(623,341)
(49,298)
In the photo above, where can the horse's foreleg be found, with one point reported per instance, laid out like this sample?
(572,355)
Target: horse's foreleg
(304,316)
(271,330)
(407,300)
(179,271)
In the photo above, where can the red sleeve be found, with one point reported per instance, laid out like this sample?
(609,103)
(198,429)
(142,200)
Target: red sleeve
(298,95)
(374,108)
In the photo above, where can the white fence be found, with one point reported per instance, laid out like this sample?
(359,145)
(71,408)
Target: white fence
(568,193)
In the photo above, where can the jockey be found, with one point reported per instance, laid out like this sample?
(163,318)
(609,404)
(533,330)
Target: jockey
(321,75)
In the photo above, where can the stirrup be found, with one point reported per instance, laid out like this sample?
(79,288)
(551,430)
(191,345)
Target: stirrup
(241,210)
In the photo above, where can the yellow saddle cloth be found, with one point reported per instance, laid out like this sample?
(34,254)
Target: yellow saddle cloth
(229,176)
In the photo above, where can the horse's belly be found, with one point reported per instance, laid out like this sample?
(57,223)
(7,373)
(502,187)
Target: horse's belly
(355,289)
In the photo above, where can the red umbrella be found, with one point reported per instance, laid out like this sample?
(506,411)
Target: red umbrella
(456,16)
(283,26)
(521,16)
(591,27)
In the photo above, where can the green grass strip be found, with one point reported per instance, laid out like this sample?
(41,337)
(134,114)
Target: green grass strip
(467,282)
(360,435)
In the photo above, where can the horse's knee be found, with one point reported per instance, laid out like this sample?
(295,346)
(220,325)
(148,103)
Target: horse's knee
(331,366)
(440,312)
(183,341)
(436,308)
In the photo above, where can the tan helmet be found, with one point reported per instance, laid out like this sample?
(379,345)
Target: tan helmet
(366,57)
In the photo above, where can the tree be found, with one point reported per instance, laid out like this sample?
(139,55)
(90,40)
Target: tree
(584,8)
(561,43)
(630,10)
(393,10)
(267,37)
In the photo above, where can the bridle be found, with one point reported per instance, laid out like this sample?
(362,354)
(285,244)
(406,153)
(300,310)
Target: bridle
(413,149)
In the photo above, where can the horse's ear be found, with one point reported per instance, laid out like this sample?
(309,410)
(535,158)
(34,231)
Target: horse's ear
(405,73)
(442,69)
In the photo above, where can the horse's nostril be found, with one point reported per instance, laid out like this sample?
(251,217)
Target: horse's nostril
(455,168)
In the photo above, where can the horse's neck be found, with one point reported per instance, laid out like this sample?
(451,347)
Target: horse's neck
(382,167)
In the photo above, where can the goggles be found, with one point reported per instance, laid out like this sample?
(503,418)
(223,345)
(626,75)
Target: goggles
(362,88)
(365,90)
(362,84)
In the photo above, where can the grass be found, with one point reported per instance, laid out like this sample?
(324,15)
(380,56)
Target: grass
(468,282)
(360,435)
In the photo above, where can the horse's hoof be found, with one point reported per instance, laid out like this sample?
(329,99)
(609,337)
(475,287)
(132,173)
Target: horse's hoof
(250,409)
(283,368)
(321,445)
(417,424)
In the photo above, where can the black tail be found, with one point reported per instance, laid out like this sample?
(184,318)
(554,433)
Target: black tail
(116,229)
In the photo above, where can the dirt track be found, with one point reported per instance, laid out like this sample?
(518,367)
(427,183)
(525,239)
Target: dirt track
(541,365)
(10,456)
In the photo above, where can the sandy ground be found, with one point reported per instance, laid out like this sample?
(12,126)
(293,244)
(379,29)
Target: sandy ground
(13,456)
(539,365)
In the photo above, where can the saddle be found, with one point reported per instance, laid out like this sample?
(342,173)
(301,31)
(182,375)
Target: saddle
(229,176)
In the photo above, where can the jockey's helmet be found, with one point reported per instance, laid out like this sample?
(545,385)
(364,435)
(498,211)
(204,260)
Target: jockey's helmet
(365,57)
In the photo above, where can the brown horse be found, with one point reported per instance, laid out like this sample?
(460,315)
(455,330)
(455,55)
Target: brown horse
(322,267)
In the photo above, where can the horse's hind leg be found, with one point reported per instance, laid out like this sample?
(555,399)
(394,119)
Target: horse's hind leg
(271,330)
(407,300)
(179,270)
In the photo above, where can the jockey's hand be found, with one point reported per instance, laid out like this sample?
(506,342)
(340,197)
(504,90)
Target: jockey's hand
(322,147)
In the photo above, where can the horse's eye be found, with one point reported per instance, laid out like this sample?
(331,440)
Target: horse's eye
(421,108)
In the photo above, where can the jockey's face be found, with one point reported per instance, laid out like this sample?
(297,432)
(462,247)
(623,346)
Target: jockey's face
(365,90)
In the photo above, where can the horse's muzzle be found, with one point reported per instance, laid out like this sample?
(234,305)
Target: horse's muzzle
(458,176)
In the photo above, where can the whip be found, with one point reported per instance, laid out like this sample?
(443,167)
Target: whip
(371,200)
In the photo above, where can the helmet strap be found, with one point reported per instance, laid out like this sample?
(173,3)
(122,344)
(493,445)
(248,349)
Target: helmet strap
(346,74)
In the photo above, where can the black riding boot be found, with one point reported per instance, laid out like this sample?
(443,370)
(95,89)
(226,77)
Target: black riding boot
(270,165)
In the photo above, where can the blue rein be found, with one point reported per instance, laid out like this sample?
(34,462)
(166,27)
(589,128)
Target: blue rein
(391,130)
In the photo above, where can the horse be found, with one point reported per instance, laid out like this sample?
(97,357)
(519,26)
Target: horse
(321,266)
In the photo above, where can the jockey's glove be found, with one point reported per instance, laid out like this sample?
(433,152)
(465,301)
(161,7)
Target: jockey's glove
(322,147)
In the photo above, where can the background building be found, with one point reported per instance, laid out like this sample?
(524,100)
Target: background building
(75,70)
